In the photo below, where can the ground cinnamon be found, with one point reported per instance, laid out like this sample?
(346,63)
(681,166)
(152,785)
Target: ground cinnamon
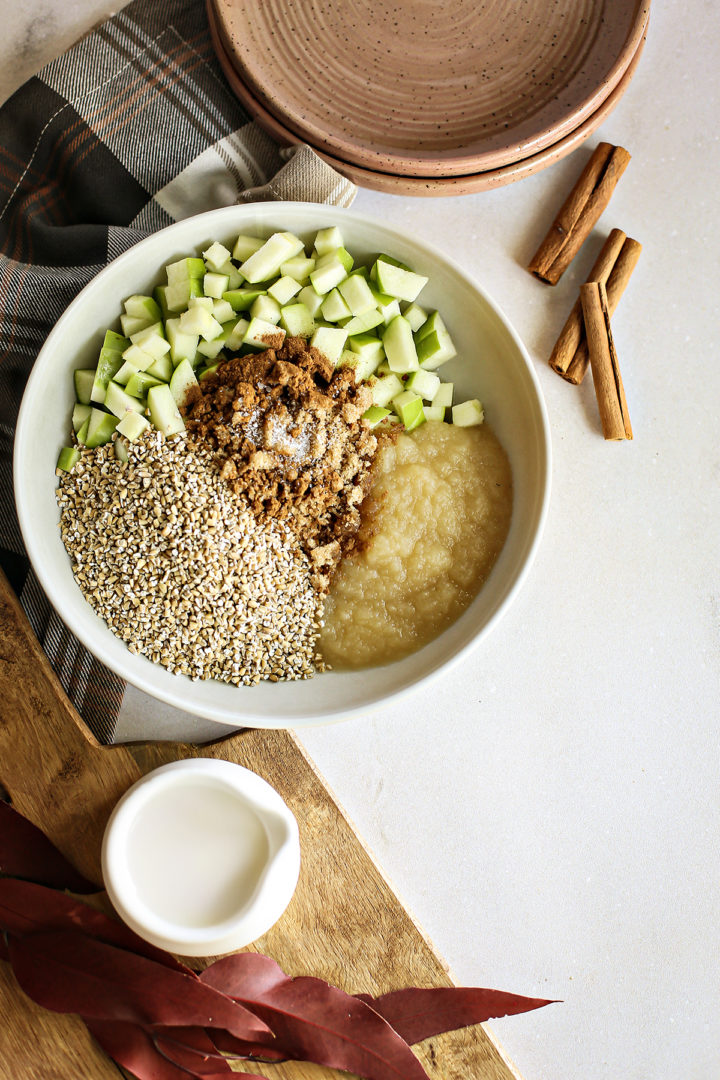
(579,213)
(604,362)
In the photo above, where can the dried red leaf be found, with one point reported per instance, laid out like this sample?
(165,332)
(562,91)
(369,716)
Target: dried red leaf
(191,1048)
(69,972)
(26,908)
(241,1048)
(26,852)
(313,1021)
(133,1047)
(418,1013)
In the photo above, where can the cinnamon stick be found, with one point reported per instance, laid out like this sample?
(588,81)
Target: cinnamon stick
(604,362)
(615,287)
(579,212)
(613,267)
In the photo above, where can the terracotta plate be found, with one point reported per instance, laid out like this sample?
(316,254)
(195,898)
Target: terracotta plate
(420,89)
(428,185)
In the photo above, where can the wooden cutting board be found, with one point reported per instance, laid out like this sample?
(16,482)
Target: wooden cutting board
(344,923)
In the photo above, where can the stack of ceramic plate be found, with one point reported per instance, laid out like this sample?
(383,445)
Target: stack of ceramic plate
(417,98)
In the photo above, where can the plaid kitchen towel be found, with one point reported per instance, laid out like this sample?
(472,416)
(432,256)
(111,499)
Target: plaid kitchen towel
(133,128)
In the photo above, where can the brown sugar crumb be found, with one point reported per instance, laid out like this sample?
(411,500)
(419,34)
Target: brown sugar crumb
(288,434)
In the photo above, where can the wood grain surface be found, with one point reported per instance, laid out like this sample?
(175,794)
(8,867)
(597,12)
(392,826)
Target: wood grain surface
(344,923)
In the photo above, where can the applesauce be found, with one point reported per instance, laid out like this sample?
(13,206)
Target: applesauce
(434,522)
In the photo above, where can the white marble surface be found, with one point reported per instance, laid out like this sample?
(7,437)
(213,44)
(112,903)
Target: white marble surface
(550,813)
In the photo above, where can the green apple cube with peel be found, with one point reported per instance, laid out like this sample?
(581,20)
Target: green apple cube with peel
(375,415)
(330,341)
(357,294)
(424,383)
(163,410)
(434,412)
(245,246)
(182,381)
(262,335)
(119,402)
(183,346)
(132,426)
(178,295)
(327,240)
(299,267)
(444,395)
(409,408)
(267,308)
(242,299)
(265,263)
(138,385)
(83,379)
(101,426)
(397,281)
(143,307)
(468,413)
(360,324)
(216,256)
(68,458)
(80,414)
(297,321)
(415,315)
(216,284)
(311,299)
(385,389)
(284,289)
(334,308)
(185,270)
(399,346)
(329,271)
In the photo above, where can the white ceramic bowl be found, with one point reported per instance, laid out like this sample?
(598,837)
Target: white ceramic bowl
(492,364)
(201,857)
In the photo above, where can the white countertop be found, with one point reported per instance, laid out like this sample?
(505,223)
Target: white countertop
(550,812)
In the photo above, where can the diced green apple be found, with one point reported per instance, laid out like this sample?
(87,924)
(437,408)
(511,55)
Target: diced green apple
(375,415)
(328,273)
(265,308)
(327,240)
(297,320)
(330,341)
(262,335)
(424,383)
(385,389)
(182,381)
(138,385)
(415,315)
(68,458)
(192,269)
(468,413)
(434,412)
(216,256)
(242,299)
(433,342)
(409,407)
(357,294)
(179,294)
(284,289)
(444,395)
(132,426)
(198,320)
(161,368)
(299,268)
(360,324)
(265,263)
(399,346)
(245,246)
(83,379)
(80,414)
(118,401)
(109,364)
(215,285)
(183,346)
(362,366)
(397,281)
(311,299)
(164,412)
(334,307)
(100,428)
(143,307)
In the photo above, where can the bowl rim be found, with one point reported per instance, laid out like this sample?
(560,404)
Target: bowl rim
(245,716)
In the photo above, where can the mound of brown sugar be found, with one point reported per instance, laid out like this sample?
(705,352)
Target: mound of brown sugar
(287,431)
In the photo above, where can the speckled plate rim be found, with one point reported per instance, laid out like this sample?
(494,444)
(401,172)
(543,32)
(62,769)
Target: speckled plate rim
(368,158)
(424,186)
